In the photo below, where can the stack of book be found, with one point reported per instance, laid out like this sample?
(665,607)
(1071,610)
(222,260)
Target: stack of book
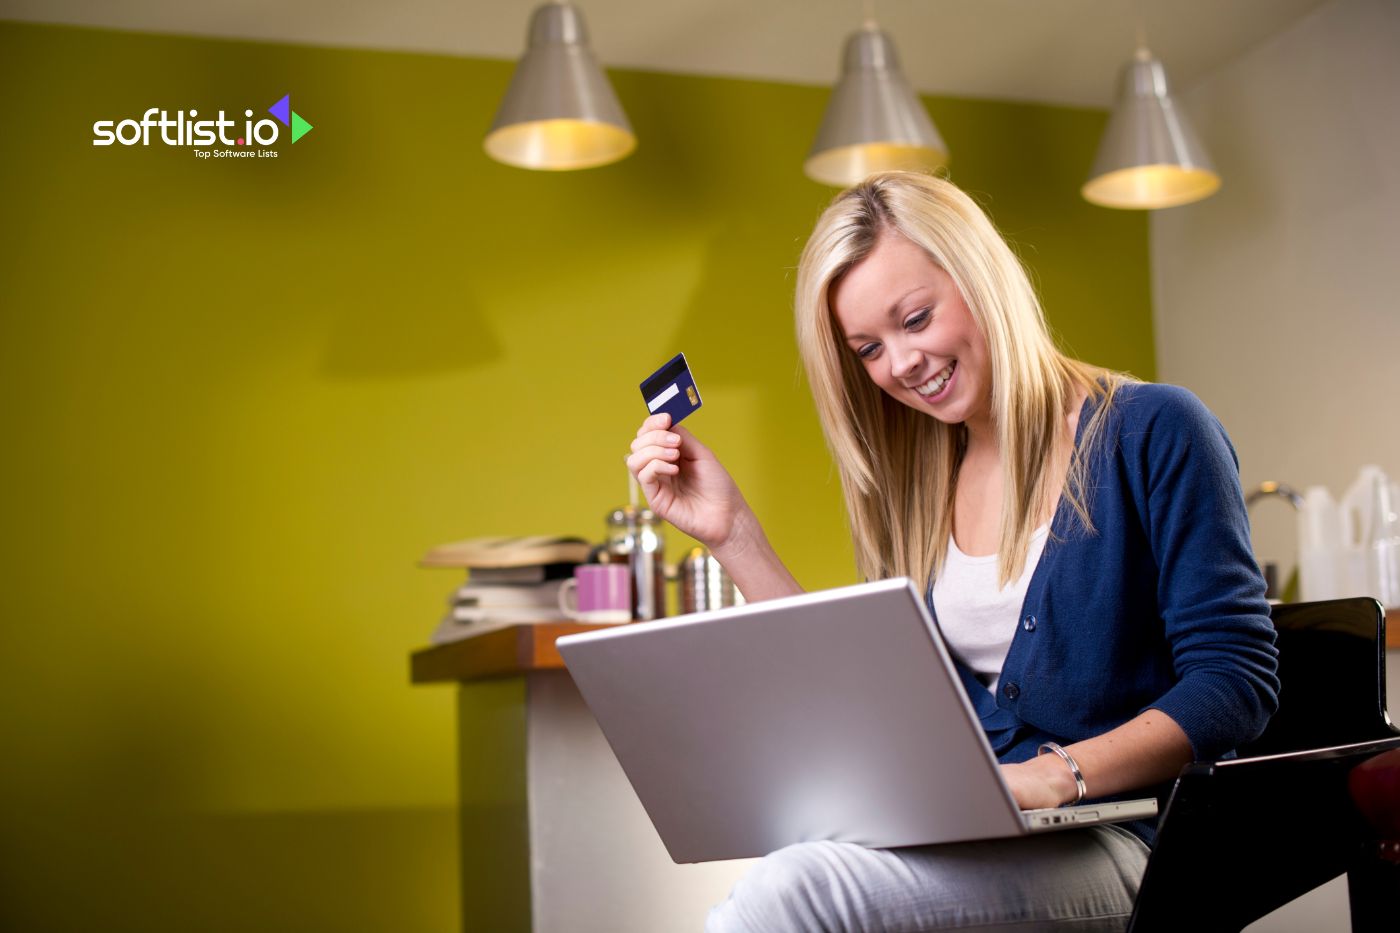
(510,581)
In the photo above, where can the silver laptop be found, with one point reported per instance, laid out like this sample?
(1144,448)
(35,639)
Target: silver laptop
(835,715)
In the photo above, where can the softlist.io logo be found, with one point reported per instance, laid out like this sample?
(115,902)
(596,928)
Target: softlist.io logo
(186,130)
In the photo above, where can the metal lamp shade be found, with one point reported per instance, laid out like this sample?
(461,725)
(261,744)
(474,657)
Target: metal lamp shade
(559,112)
(874,122)
(1149,156)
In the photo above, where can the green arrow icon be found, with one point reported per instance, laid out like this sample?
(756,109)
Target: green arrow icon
(299,126)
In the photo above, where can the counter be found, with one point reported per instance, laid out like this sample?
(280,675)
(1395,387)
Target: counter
(553,838)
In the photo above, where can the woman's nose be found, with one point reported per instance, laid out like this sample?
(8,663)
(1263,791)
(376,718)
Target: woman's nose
(903,361)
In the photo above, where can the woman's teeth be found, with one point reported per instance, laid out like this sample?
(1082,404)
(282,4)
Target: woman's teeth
(936,384)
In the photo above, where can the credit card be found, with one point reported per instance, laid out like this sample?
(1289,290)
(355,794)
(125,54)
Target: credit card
(672,389)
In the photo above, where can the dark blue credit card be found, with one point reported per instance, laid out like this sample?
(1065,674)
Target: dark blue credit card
(672,389)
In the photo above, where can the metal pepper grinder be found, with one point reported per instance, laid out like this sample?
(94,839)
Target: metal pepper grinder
(634,535)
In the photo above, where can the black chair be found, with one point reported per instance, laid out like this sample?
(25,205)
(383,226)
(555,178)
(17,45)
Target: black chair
(1240,838)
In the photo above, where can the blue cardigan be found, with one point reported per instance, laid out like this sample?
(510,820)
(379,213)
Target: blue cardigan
(1160,607)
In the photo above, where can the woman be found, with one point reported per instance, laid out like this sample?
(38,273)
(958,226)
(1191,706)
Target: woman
(1085,541)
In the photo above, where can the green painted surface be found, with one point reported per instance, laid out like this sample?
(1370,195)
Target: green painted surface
(494,821)
(243,396)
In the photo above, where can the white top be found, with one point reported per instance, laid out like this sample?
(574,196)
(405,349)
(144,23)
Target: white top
(977,618)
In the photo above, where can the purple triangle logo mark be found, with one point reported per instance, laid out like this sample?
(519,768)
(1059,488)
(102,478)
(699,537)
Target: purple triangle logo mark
(282,110)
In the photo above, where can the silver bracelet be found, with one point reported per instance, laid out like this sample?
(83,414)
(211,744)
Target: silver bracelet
(1073,769)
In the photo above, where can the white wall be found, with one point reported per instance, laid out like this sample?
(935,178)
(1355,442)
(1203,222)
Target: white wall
(1278,300)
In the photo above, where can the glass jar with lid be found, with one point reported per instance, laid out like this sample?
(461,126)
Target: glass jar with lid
(634,536)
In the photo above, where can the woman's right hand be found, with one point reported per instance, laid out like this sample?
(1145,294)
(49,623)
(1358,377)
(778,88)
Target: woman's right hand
(684,483)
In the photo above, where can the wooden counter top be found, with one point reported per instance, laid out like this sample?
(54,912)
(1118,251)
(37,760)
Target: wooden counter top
(522,648)
(498,653)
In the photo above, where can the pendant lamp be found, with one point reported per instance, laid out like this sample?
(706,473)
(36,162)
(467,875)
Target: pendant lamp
(1149,156)
(559,112)
(874,121)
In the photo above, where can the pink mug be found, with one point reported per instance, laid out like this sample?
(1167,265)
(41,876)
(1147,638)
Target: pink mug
(602,593)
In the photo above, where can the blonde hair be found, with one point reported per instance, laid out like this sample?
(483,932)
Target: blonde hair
(899,467)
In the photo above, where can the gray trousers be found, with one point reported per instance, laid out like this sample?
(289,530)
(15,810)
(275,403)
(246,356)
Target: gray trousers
(1081,879)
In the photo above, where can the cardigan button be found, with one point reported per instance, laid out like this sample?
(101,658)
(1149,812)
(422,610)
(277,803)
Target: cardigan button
(1011,690)
(1028,623)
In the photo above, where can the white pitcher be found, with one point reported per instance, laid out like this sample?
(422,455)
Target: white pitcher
(1352,547)
(1371,529)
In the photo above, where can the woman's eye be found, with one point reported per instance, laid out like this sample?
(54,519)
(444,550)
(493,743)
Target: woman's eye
(867,351)
(918,320)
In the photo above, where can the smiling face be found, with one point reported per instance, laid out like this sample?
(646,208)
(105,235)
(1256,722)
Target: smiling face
(907,324)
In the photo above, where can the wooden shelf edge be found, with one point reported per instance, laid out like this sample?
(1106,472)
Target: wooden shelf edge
(502,652)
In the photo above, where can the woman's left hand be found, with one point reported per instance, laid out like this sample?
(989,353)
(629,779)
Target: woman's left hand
(1145,750)
(1036,784)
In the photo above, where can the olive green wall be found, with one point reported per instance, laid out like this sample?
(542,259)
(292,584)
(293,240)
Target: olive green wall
(241,398)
